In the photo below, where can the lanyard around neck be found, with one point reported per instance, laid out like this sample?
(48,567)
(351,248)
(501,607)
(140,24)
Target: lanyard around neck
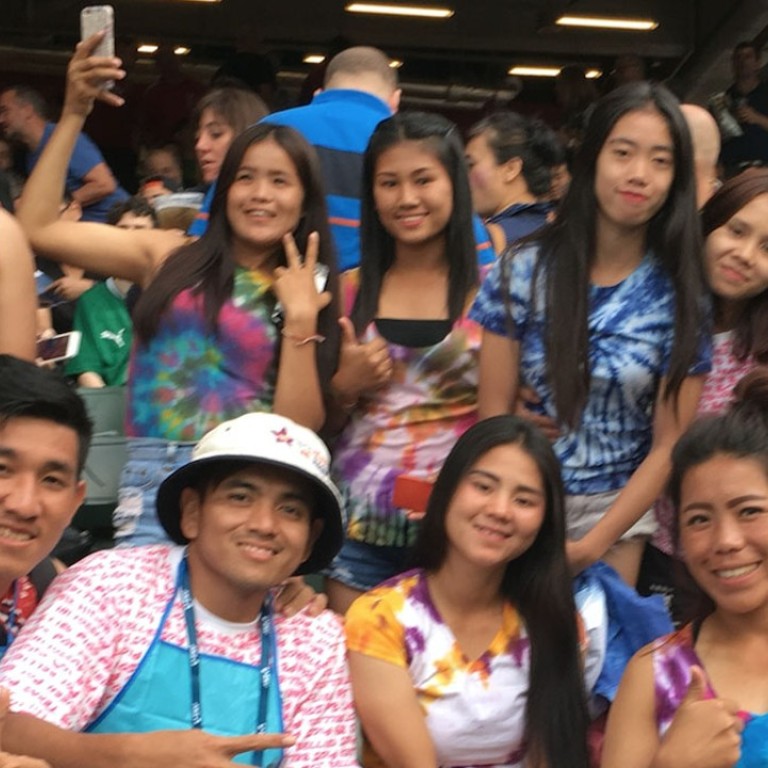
(266,671)
(11,628)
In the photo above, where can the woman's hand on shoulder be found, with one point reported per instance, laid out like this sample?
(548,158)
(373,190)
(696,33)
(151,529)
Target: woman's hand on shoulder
(295,286)
(705,732)
(86,76)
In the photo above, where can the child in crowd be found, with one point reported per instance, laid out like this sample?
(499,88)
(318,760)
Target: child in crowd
(102,314)
(603,316)
(207,345)
(699,697)
(408,369)
(473,657)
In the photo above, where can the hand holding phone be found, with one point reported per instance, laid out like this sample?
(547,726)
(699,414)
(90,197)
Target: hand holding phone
(61,347)
(99,18)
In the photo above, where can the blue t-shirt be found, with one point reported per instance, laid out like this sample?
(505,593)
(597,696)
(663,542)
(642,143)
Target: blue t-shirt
(85,156)
(521,219)
(631,331)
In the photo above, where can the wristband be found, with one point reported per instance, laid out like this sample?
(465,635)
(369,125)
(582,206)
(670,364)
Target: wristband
(298,341)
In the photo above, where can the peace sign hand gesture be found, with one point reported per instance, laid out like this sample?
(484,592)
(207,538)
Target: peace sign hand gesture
(295,287)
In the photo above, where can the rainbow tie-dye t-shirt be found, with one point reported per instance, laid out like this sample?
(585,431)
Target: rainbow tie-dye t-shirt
(186,380)
(474,708)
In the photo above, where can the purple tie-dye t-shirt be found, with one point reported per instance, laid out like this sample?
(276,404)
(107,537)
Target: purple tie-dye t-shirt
(673,657)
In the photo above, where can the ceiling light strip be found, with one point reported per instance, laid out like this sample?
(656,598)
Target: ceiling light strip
(603,22)
(418,11)
(525,70)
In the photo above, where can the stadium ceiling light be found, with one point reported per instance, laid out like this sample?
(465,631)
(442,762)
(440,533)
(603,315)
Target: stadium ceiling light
(386,9)
(531,71)
(605,22)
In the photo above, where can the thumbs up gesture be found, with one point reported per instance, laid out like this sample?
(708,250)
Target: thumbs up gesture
(14,761)
(363,366)
(705,732)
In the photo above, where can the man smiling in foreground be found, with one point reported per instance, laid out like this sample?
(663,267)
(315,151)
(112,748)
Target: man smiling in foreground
(171,655)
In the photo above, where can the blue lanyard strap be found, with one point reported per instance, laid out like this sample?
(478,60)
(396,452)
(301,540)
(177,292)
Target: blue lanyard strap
(11,628)
(267,655)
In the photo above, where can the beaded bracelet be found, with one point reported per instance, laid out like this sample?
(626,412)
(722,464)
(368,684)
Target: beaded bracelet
(298,341)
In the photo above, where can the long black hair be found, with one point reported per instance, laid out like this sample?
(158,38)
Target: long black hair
(377,246)
(751,331)
(568,246)
(537,582)
(207,266)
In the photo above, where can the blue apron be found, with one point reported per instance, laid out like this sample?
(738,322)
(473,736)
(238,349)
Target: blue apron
(177,688)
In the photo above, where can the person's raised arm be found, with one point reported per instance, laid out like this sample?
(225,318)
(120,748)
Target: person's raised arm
(298,393)
(131,254)
(18,298)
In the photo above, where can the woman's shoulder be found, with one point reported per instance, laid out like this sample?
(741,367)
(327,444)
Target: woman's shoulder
(673,650)
(394,592)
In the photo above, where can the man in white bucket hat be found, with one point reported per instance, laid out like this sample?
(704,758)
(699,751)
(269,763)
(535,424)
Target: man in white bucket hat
(171,654)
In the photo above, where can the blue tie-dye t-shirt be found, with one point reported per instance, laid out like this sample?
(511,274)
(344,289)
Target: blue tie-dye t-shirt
(631,331)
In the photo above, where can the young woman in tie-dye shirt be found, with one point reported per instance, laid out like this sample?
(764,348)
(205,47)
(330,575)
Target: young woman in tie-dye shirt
(206,346)
(472,659)
(408,369)
(699,697)
(603,314)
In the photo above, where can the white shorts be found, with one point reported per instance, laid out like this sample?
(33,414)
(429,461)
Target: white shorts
(583,511)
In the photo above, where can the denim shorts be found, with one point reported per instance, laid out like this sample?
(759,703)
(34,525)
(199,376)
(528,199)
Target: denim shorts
(362,566)
(150,461)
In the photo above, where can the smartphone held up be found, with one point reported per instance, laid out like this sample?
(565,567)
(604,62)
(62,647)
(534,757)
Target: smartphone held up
(99,18)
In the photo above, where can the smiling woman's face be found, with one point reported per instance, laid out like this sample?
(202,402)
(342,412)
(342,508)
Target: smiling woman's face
(497,509)
(736,255)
